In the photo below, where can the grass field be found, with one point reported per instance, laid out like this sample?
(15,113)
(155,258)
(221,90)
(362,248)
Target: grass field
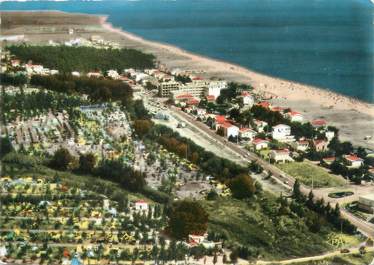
(306,173)
(255,225)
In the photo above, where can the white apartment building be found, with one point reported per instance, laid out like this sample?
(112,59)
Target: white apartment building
(214,88)
(282,132)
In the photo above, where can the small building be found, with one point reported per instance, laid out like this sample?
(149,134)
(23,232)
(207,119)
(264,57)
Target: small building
(247,99)
(246,133)
(320,145)
(141,206)
(260,125)
(282,133)
(301,145)
(229,130)
(329,160)
(366,202)
(282,155)
(264,104)
(260,144)
(294,116)
(113,74)
(353,161)
(210,98)
(329,135)
(318,123)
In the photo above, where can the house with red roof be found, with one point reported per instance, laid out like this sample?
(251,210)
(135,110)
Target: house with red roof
(141,206)
(246,133)
(264,104)
(281,155)
(210,98)
(278,109)
(247,99)
(260,144)
(193,101)
(260,125)
(320,145)
(229,129)
(353,161)
(294,116)
(319,123)
(301,145)
(329,160)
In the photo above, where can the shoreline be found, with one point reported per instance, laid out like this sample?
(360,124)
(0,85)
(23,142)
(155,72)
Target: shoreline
(277,87)
(353,118)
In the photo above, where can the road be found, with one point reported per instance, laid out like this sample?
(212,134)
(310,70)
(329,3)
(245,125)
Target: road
(314,258)
(364,227)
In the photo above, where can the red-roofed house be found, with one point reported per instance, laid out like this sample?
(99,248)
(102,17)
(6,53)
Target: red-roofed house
(193,101)
(260,144)
(320,145)
(294,116)
(353,161)
(319,123)
(264,104)
(301,145)
(211,98)
(282,155)
(229,129)
(260,125)
(220,119)
(247,99)
(277,109)
(329,160)
(246,133)
(141,205)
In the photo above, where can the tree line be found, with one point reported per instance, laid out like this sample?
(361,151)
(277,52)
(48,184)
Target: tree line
(97,89)
(83,59)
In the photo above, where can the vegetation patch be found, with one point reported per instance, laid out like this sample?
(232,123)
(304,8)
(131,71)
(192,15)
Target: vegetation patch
(309,175)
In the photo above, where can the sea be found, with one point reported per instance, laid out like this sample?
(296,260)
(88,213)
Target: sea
(325,43)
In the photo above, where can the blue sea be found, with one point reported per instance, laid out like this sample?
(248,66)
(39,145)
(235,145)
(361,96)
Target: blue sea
(325,43)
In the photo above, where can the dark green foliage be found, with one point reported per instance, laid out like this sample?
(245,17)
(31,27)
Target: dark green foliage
(242,186)
(127,177)
(61,159)
(83,59)
(187,217)
(87,163)
(5,146)
(12,79)
(97,89)
(183,78)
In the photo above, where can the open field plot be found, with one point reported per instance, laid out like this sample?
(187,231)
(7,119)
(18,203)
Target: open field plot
(309,174)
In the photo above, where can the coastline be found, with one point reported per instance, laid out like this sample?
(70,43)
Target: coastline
(354,118)
(286,89)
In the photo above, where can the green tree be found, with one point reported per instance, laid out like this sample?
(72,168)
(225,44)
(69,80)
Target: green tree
(187,217)
(61,159)
(87,163)
(242,186)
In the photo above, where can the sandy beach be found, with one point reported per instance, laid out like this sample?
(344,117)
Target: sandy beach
(354,118)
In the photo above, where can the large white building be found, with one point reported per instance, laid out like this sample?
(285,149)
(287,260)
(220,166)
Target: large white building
(214,88)
(282,133)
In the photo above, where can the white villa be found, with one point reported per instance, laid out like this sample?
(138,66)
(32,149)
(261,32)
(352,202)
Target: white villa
(282,133)
(282,155)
